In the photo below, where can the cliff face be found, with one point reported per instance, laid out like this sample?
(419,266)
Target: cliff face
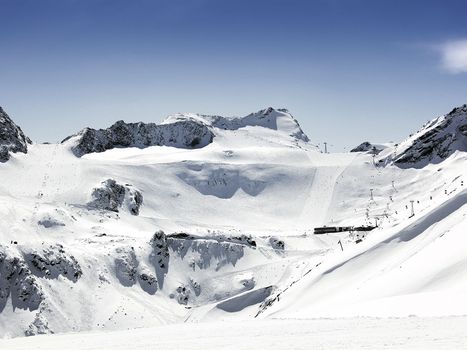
(183,134)
(12,138)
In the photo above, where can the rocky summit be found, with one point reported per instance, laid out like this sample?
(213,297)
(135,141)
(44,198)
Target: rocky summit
(435,141)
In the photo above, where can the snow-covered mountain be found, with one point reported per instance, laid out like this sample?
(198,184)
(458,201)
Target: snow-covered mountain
(434,142)
(370,147)
(179,130)
(204,218)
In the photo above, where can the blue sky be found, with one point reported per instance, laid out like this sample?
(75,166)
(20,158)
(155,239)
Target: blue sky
(349,70)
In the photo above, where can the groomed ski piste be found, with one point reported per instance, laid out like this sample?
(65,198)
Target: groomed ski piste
(207,241)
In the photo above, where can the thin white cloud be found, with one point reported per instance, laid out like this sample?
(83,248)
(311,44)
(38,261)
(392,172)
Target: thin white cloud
(454,56)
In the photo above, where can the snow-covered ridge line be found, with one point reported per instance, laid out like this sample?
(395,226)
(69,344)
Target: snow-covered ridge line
(12,138)
(436,141)
(180,130)
(271,118)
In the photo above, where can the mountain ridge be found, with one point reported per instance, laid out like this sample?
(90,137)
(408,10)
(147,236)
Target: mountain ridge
(182,130)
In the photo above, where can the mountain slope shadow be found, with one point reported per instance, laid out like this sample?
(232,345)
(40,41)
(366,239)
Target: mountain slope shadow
(241,302)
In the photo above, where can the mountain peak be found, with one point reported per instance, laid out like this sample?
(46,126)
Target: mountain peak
(434,142)
(458,110)
(275,119)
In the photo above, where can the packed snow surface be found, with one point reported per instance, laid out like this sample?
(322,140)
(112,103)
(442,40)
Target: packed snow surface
(329,334)
(158,234)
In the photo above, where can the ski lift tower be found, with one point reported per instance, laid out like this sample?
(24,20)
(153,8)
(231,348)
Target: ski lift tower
(325,147)
(411,208)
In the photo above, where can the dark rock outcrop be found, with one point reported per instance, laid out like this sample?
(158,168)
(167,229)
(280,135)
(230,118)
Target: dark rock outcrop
(112,196)
(49,222)
(135,200)
(129,270)
(39,325)
(436,141)
(182,134)
(18,282)
(12,138)
(160,256)
(52,262)
(363,147)
(182,294)
(276,243)
(367,147)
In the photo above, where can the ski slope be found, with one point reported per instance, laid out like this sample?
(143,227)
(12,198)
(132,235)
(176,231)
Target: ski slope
(237,217)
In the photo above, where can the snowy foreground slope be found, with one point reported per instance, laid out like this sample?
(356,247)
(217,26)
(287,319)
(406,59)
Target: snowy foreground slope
(139,226)
(328,334)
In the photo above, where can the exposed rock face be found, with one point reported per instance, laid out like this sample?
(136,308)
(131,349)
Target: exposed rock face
(129,270)
(18,282)
(21,274)
(108,197)
(368,147)
(198,252)
(112,196)
(183,134)
(182,294)
(363,147)
(39,325)
(12,138)
(135,200)
(52,262)
(436,141)
(160,256)
(276,243)
(49,222)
